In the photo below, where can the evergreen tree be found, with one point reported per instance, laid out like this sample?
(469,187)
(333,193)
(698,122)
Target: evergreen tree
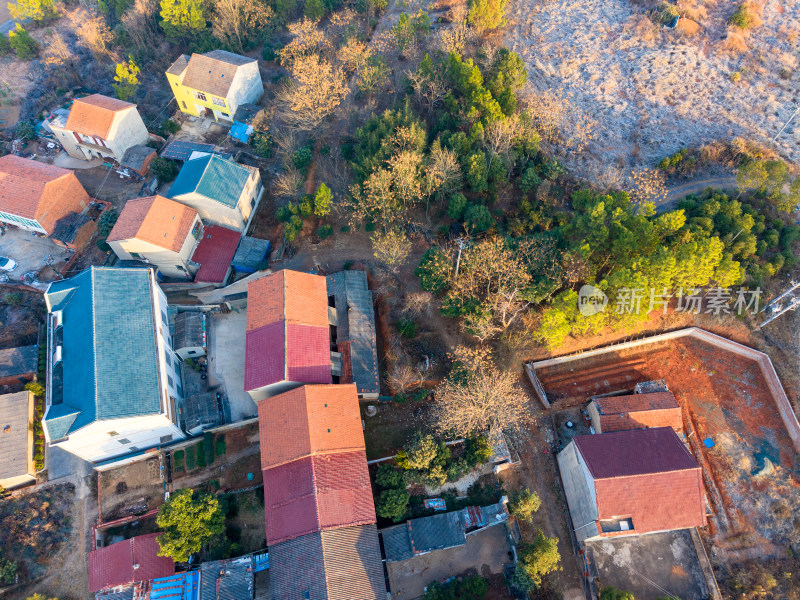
(182,18)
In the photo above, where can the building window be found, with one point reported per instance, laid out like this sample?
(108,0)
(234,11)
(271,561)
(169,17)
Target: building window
(166,438)
(200,96)
(133,449)
(253,203)
(112,433)
(124,441)
(135,255)
(218,101)
(165,318)
(180,391)
(167,359)
(170,381)
(192,352)
(184,103)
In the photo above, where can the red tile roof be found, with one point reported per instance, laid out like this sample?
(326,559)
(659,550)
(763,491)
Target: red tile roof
(94,115)
(155,219)
(619,413)
(39,191)
(635,452)
(646,474)
(309,420)
(290,296)
(317,493)
(215,253)
(128,561)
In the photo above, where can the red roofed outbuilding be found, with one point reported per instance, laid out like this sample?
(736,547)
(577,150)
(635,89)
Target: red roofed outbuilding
(288,339)
(631,482)
(126,562)
(636,411)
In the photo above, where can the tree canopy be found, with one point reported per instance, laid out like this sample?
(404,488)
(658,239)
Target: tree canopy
(188,520)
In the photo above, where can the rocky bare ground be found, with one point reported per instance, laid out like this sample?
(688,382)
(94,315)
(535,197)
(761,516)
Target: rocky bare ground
(649,91)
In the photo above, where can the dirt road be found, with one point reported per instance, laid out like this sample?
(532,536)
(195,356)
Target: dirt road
(725,182)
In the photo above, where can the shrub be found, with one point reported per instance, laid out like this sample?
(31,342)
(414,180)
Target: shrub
(220,445)
(35,388)
(487,14)
(530,180)
(745,17)
(456,206)
(470,588)
(107,221)
(293,228)
(302,158)
(392,504)
(388,477)
(433,270)
(26,130)
(13,298)
(24,46)
(477,450)
(538,559)
(8,570)
(325,232)
(314,10)
(667,13)
(419,453)
(322,201)
(478,218)
(170,127)
(523,504)
(164,169)
(612,593)
(407,328)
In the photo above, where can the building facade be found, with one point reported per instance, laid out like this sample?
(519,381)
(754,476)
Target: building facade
(214,84)
(158,231)
(223,192)
(113,381)
(100,127)
(34,196)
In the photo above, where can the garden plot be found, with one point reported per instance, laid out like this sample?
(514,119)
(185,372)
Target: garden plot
(649,91)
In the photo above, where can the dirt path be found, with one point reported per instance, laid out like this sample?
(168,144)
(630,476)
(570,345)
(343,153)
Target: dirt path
(677,193)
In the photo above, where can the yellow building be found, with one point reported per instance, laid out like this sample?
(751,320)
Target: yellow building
(214,83)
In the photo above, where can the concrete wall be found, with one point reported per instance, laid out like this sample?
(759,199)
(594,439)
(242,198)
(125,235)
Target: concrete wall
(765,365)
(246,87)
(128,130)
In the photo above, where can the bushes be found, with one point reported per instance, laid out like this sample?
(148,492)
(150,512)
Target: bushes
(536,560)
(36,388)
(23,45)
(456,206)
(13,298)
(612,593)
(164,169)
(524,504)
(325,232)
(469,588)
(745,17)
(407,328)
(434,271)
(393,499)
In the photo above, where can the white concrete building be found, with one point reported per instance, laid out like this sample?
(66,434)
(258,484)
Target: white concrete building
(99,126)
(113,380)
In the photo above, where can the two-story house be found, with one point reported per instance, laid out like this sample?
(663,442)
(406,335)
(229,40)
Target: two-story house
(222,191)
(99,126)
(160,231)
(113,380)
(34,196)
(215,83)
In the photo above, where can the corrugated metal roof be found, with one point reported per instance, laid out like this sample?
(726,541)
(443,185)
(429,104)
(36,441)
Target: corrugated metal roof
(181,586)
(109,362)
(181,150)
(19,361)
(14,450)
(190,330)
(340,564)
(356,327)
(230,579)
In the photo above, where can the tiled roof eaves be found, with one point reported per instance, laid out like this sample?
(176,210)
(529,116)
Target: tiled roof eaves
(636,475)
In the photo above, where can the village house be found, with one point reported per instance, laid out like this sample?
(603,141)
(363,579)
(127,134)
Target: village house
(635,411)
(214,84)
(320,517)
(113,380)
(287,342)
(159,231)
(34,196)
(124,564)
(16,440)
(222,191)
(630,483)
(99,127)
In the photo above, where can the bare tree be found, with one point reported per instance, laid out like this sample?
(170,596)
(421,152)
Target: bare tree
(430,87)
(237,20)
(140,22)
(477,397)
(92,32)
(391,248)
(459,35)
(58,57)
(307,39)
(316,90)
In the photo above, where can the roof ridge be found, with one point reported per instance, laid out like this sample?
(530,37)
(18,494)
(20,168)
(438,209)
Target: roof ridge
(94,340)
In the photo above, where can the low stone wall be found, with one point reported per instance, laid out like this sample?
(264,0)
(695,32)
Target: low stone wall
(765,365)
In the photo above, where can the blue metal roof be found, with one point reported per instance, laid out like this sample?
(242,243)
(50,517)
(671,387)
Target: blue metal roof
(179,150)
(181,586)
(213,177)
(109,367)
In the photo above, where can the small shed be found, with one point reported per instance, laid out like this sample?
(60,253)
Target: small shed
(636,411)
(138,158)
(242,122)
(16,439)
(250,254)
(423,535)
(190,339)
(18,365)
(73,231)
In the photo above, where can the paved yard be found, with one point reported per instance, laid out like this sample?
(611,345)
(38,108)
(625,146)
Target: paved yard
(486,551)
(650,566)
(226,359)
(30,251)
